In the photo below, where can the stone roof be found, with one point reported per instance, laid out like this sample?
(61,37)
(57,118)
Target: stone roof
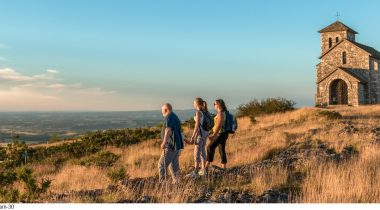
(374,53)
(337,26)
(352,73)
(348,71)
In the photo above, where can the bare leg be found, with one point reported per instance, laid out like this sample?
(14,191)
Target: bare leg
(207,165)
(224,165)
(196,166)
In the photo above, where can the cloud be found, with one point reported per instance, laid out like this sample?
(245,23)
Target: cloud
(11,75)
(48,91)
(52,71)
(23,94)
(8,74)
(3,59)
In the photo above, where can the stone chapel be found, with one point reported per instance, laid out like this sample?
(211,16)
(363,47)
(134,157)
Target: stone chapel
(348,72)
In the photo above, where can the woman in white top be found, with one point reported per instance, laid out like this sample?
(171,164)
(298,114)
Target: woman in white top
(199,137)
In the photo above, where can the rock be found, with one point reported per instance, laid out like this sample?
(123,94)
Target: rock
(146,199)
(90,193)
(273,196)
(245,197)
(220,198)
(125,201)
(203,195)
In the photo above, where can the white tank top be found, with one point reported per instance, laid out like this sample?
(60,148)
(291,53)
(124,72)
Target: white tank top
(204,133)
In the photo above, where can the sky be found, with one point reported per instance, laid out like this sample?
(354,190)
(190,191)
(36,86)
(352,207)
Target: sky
(111,55)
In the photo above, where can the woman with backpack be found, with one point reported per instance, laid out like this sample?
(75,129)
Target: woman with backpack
(200,135)
(219,135)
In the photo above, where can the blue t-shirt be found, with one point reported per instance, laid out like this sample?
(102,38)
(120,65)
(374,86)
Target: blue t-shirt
(175,138)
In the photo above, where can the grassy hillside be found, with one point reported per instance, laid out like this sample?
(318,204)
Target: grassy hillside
(306,155)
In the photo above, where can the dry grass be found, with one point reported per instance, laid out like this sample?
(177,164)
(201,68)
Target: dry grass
(75,178)
(354,181)
(269,178)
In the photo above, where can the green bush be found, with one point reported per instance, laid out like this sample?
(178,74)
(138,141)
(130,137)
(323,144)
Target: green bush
(18,153)
(120,138)
(331,115)
(102,159)
(321,105)
(267,106)
(117,174)
(190,123)
(33,189)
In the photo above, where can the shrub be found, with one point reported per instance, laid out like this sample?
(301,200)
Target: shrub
(331,115)
(33,188)
(120,138)
(190,123)
(266,106)
(117,174)
(321,105)
(101,159)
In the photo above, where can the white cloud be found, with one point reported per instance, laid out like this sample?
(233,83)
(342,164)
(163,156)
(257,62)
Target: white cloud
(11,75)
(3,59)
(53,71)
(47,91)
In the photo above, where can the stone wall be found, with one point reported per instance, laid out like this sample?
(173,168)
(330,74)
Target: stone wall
(333,35)
(374,78)
(362,94)
(356,58)
(323,88)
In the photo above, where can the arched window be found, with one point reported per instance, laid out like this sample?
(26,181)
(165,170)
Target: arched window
(330,42)
(344,58)
(337,39)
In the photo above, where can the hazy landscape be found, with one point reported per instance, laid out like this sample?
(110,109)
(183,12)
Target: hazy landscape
(35,127)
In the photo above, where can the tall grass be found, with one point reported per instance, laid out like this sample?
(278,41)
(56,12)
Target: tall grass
(356,180)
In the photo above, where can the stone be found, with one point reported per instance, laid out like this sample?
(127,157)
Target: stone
(273,196)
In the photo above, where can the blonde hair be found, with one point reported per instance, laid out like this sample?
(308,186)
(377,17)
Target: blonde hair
(201,104)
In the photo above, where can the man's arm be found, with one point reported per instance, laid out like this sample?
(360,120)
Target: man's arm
(166,136)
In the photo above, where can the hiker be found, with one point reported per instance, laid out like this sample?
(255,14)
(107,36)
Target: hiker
(218,136)
(171,145)
(200,135)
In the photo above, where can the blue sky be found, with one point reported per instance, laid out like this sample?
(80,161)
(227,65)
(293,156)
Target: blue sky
(138,54)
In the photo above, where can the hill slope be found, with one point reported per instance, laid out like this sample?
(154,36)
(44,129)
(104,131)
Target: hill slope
(307,155)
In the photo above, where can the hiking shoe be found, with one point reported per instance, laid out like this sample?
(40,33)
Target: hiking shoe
(203,173)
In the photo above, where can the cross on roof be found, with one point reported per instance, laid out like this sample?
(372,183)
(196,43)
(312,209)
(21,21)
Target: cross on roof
(337,15)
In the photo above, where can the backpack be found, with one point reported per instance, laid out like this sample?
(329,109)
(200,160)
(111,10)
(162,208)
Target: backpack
(231,123)
(208,122)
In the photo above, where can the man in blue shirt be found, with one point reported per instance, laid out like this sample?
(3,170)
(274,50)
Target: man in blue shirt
(171,145)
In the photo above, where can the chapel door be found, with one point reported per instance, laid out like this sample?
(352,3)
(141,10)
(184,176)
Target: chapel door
(338,92)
